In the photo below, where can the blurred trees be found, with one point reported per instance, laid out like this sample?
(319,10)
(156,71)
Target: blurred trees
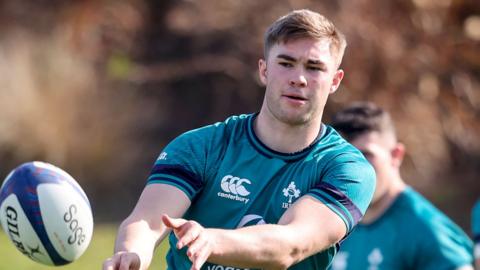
(99,87)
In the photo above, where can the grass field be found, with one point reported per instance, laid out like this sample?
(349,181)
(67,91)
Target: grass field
(101,247)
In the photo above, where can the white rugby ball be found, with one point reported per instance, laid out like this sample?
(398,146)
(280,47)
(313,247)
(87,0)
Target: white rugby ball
(45,213)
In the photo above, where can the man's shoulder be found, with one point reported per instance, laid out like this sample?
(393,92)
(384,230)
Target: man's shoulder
(415,203)
(332,144)
(414,206)
(333,150)
(432,228)
(234,122)
(421,214)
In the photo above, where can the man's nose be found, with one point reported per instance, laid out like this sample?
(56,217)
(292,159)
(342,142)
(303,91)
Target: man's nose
(298,80)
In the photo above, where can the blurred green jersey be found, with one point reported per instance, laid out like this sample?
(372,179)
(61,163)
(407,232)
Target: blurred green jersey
(411,234)
(476,228)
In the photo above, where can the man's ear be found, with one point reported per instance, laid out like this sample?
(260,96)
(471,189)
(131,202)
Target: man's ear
(262,71)
(398,153)
(337,78)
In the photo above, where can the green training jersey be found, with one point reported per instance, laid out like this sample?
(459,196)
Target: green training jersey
(234,180)
(476,228)
(411,234)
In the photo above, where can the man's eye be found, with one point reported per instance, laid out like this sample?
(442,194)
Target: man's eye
(314,68)
(286,64)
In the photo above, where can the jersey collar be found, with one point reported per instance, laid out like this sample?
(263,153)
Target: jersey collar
(270,153)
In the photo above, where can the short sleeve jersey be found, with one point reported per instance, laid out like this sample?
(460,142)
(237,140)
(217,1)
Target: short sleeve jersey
(233,180)
(411,234)
(476,228)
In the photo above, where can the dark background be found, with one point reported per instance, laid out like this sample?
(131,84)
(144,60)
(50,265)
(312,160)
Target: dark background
(99,87)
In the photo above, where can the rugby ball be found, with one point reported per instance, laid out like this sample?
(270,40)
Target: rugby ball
(45,213)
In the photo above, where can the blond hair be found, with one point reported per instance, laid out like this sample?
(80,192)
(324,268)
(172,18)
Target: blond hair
(305,24)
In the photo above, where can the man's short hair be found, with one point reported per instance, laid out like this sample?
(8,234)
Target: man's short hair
(361,118)
(305,24)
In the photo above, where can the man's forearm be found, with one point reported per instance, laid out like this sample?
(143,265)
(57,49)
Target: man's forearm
(136,236)
(266,246)
(308,227)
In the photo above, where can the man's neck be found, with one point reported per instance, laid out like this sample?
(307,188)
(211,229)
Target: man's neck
(381,205)
(283,137)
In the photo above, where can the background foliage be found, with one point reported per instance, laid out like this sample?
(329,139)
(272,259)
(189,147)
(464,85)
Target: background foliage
(99,87)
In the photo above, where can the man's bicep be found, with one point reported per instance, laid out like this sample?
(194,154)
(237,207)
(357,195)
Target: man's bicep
(159,199)
(346,188)
(314,223)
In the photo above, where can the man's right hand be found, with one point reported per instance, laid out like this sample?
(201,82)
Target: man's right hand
(122,261)
(140,232)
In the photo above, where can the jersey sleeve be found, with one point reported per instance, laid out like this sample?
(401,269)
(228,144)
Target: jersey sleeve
(476,228)
(181,164)
(347,187)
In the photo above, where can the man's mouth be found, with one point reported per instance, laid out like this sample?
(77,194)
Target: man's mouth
(295,97)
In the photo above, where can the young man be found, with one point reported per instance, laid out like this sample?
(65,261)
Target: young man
(476,233)
(267,190)
(401,229)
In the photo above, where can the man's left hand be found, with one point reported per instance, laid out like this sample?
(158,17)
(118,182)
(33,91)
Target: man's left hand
(190,233)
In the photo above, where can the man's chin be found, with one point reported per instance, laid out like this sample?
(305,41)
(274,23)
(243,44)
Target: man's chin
(295,120)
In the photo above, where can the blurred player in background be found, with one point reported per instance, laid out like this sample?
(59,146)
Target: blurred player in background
(401,229)
(267,190)
(476,233)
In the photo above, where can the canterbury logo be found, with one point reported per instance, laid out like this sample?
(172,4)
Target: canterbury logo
(234,185)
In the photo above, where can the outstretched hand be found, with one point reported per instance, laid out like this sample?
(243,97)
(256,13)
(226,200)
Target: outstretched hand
(190,233)
(122,261)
